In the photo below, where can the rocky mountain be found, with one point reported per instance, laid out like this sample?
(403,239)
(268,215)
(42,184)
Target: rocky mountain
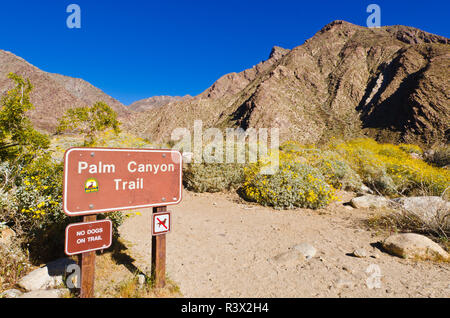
(155,102)
(53,93)
(390,83)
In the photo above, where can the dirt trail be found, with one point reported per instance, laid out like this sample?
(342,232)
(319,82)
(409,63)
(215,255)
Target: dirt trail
(223,247)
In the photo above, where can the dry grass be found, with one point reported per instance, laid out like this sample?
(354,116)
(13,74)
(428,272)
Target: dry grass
(132,289)
(13,266)
(404,222)
(117,277)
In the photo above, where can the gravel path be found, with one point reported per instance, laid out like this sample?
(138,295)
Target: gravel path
(223,247)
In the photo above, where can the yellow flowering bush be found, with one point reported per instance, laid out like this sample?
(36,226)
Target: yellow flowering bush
(411,148)
(390,169)
(331,164)
(294,184)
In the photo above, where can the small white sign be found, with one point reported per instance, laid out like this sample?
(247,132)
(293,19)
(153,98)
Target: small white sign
(161,223)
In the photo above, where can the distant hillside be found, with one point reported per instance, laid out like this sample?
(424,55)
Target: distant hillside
(155,102)
(53,93)
(390,83)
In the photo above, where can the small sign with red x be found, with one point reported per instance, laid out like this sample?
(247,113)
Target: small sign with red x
(161,223)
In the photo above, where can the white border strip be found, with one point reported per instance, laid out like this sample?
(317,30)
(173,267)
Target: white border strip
(87,212)
(86,223)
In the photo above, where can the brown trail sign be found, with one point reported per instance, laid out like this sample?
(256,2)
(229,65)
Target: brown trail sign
(100,180)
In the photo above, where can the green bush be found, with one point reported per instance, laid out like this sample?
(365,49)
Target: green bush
(213,177)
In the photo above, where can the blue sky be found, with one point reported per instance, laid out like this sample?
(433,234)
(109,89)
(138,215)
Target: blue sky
(140,48)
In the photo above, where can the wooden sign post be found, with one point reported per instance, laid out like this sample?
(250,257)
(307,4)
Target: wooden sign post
(88,268)
(159,255)
(101,180)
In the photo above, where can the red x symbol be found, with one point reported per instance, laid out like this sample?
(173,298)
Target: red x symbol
(163,223)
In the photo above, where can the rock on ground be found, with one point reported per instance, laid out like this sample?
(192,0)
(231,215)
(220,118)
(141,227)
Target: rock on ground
(365,189)
(297,254)
(49,276)
(306,249)
(415,246)
(360,252)
(6,235)
(11,293)
(50,293)
(369,201)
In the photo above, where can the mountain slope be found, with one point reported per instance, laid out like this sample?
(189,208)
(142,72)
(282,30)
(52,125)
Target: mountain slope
(390,83)
(53,94)
(155,102)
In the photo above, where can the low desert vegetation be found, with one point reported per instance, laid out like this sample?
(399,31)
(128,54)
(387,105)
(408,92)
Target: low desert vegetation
(439,156)
(31,175)
(295,184)
(213,177)
(308,175)
(14,265)
(89,121)
(391,170)
(127,281)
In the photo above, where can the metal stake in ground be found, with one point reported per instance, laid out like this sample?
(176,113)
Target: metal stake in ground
(159,255)
(88,268)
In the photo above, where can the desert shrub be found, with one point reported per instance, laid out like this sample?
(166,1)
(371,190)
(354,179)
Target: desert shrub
(13,265)
(18,138)
(215,175)
(110,138)
(89,121)
(405,221)
(295,184)
(390,170)
(107,138)
(439,157)
(212,177)
(411,148)
(331,164)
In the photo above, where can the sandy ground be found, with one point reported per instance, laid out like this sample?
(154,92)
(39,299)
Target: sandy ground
(221,246)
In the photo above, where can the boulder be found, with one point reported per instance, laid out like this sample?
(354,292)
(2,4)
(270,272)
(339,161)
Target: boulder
(414,246)
(369,201)
(430,210)
(11,293)
(49,276)
(6,235)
